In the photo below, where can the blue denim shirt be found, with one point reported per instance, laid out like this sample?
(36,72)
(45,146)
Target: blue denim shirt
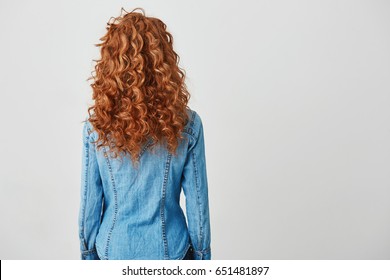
(135,213)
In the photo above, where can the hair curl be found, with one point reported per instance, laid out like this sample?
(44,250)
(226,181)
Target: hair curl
(139,90)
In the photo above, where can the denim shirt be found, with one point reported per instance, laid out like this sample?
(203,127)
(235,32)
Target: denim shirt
(134,213)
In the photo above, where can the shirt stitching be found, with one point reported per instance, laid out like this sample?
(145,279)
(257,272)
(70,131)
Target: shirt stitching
(115,203)
(85,247)
(162,207)
(198,200)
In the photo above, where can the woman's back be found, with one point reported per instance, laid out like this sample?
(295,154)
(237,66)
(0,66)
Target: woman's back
(130,212)
(142,145)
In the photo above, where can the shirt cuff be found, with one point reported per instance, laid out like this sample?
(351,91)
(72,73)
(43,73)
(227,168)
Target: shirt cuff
(89,255)
(203,255)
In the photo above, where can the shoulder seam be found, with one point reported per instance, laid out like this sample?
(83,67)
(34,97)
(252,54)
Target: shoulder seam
(197,125)
(190,129)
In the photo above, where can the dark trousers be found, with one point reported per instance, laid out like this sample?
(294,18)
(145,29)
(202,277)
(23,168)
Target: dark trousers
(190,254)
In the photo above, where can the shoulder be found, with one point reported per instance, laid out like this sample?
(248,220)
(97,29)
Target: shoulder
(194,126)
(88,129)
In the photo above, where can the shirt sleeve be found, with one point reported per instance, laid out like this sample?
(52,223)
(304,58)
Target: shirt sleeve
(195,187)
(91,202)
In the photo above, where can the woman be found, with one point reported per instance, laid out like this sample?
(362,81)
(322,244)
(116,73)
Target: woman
(141,145)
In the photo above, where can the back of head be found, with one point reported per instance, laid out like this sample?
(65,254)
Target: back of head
(138,88)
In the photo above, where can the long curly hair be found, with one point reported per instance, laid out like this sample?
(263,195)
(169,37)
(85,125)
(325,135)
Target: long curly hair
(139,90)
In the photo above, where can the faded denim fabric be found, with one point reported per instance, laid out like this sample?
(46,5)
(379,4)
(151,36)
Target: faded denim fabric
(130,213)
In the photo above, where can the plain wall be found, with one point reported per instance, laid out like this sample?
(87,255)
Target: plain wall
(294,98)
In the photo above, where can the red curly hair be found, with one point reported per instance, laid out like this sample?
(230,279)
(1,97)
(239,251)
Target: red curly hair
(139,90)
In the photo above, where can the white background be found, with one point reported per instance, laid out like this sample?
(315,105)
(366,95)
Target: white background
(294,98)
